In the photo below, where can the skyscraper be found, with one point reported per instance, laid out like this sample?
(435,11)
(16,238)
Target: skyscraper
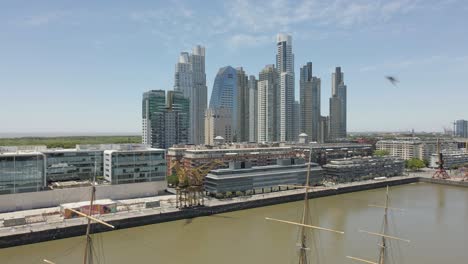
(268,101)
(296,121)
(310,103)
(461,128)
(225,94)
(165,124)
(190,79)
(218,122)
(153,101)
(183,82)
(197,60)
(253,109)
(242,105)
(338,104)
(285,66)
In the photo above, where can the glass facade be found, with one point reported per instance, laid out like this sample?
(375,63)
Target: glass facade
(21,173)
(225,93)
(73,165)
(134,166)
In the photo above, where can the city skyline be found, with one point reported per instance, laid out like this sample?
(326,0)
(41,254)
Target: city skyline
(63,73)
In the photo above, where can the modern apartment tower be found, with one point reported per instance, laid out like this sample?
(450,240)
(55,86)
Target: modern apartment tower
(253,109)
(225,94)
(461,128)
(338,113)
(310,103)
(190,79)
(242,106)
(285,67)
(165,124)
(154,101)
(183,82)
(268,101)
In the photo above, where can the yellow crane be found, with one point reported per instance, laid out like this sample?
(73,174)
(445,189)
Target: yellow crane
(189,191)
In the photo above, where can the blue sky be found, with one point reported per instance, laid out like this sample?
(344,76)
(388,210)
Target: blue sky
(82,66)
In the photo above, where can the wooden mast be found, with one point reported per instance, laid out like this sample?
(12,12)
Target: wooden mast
(384,227)
(383,246)
(305,213)
(305,217)
(88,254)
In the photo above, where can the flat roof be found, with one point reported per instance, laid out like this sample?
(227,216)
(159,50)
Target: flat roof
(247,173)
(85,203)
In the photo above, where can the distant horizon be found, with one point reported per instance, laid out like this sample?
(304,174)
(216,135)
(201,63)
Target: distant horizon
(90,134)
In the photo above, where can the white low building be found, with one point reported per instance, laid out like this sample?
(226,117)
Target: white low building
(134,163)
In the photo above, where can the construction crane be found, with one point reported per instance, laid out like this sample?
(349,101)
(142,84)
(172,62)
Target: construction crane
(440,173)
(189,191)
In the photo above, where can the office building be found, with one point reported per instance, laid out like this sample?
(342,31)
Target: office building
(242,177)
(324,129)
(80,163)
(363,168)
(296,121)
(324,152)
(190,79)
(225,95)
(22,172)
(338,104)
(242,106)
(268,102)
(285,67)
(153,101)
(132,164)
(165,123)
(461,128)
(310,115)
(218,123)
(253,109)
(259,155)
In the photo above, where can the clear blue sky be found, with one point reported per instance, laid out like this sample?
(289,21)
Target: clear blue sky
(82,66)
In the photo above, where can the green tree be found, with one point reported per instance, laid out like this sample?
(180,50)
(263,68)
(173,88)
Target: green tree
(415,164)
(381,153)
(173,180)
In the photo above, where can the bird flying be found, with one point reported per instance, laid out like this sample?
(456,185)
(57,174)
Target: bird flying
(392,79)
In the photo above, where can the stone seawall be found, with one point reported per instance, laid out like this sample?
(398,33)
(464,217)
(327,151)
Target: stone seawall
(60,233)
(444,182)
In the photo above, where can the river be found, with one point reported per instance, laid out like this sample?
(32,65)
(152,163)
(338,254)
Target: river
(435,220)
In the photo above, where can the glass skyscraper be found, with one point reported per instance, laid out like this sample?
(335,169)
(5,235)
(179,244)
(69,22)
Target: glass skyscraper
(225,94)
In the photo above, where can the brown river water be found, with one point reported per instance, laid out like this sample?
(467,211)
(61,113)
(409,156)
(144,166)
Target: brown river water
(435,220)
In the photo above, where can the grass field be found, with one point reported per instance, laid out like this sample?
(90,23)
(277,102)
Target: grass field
(68,142)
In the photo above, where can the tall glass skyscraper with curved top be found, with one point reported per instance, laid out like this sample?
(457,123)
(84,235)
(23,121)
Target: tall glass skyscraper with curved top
(224,94)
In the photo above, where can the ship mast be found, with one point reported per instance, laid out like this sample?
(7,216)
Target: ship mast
(384,227)
(88,253)
(305,216)
(382,235)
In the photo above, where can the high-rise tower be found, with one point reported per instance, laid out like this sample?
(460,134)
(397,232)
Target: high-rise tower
(338,104)
(268,101)
(253,109)
(190,79)
(309,103)
(285,67)
(154,101)
(242,105)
